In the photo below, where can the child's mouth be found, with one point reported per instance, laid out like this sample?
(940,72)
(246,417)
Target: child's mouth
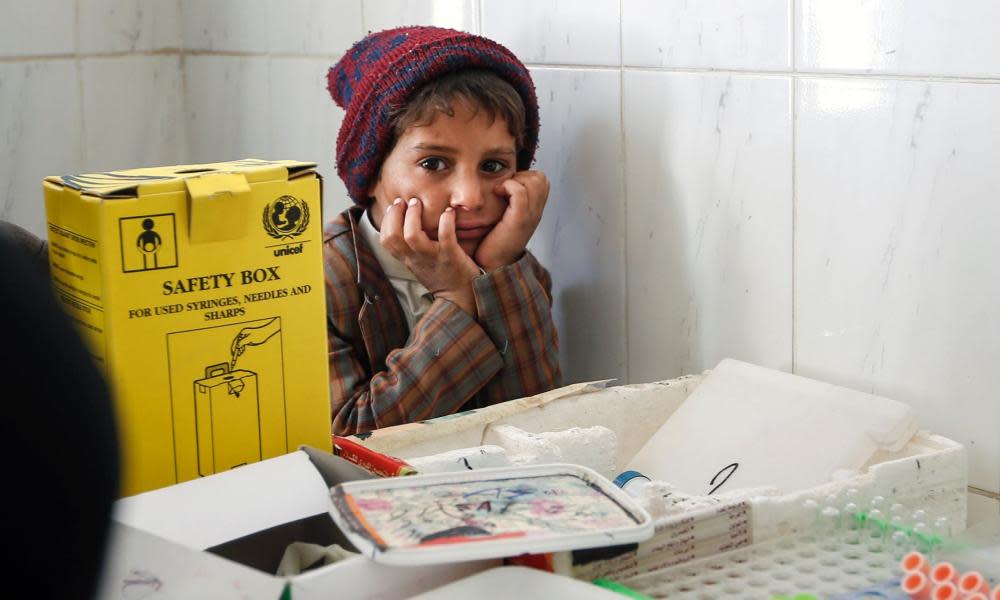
(472,233)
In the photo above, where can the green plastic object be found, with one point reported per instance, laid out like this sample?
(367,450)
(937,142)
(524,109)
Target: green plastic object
(614,586)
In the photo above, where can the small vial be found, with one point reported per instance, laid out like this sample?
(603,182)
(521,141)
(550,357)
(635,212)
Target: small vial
(944,572)
(899,544)
(916,585)
(920,534)
(945,591)
(851,523)
(878,508)
(811,511)
(897,516)
(937,534)
(876,520)
(875,530)
(854,496)
(830,527)
(973,582)
(915,562)
(942,526)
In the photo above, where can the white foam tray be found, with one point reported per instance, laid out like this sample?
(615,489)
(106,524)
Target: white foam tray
(929,472)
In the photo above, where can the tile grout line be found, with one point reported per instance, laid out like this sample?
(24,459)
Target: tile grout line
(184,145)
(78,59)
(793,106)
(792,73)
(624,192)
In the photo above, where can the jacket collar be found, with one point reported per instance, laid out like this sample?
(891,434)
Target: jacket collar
(382,321)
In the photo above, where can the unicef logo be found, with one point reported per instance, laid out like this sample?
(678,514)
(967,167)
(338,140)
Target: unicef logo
(286,217)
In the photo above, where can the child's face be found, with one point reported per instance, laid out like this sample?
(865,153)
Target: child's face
(455,161)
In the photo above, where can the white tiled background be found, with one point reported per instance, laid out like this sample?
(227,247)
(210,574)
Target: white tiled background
(810,185)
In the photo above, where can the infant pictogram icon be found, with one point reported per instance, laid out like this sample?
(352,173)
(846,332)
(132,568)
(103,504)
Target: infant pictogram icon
(149,243)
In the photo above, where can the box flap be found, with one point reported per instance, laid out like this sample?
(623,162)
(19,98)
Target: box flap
(486,513)
(131,183)
(207,512)
(216,202)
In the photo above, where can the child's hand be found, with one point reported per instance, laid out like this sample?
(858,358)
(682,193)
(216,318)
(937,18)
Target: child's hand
(441,266)
(527,192)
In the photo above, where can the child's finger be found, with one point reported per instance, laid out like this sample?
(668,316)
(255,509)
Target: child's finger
(446,230)
(390,233)
(537,185)
(517,196)
(413,228)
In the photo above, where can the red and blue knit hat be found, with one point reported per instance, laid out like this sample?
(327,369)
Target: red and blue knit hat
(381,73)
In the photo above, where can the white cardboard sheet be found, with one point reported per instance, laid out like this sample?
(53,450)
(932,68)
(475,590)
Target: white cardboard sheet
(207,512)
(746,426)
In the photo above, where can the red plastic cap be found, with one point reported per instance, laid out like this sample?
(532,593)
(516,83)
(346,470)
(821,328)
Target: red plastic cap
(944,572)
(973,581)
(945,591)
(915,584)
(915,562)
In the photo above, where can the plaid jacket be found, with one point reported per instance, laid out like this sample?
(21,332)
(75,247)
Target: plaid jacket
(382,374)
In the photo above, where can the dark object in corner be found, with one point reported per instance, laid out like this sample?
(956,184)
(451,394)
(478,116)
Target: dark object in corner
(35,249)
(59,441)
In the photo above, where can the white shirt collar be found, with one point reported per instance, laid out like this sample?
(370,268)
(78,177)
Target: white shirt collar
(393,267)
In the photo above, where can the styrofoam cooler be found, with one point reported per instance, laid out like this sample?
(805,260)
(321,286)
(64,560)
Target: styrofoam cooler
(929,472)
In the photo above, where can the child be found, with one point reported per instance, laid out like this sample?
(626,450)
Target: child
(433,304)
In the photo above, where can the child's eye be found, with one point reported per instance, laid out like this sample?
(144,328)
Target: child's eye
(494,166)
(433,164)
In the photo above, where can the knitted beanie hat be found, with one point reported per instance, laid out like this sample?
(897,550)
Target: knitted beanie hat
(381,72)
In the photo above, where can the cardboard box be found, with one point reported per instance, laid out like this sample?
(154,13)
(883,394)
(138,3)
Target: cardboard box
(222,537)
(200,292)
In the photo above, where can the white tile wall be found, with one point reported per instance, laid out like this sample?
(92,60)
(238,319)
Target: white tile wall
(39,135)
(323,27)
(227,104)
(577,32)
(709,230)
(116,26)
(581,239)
(454,14)
(897,213)
(889,253)
(924,37)
(37,27)
(226,25)
(304,122)
(132,110)
(737,34)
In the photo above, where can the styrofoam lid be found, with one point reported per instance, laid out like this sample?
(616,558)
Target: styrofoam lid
(486,513)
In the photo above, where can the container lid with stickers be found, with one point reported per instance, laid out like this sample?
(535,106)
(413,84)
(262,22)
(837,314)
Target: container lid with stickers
(486,513)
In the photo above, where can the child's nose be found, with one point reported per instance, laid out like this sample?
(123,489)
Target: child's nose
(468,193)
